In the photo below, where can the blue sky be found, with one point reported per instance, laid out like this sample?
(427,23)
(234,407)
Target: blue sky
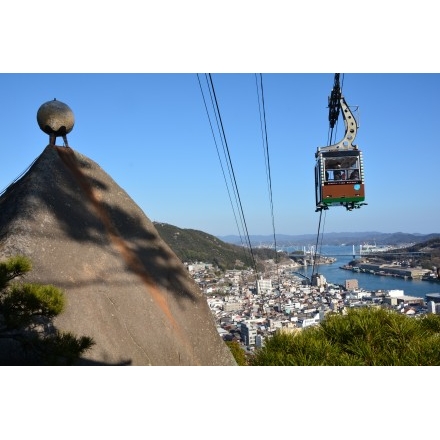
(150,132)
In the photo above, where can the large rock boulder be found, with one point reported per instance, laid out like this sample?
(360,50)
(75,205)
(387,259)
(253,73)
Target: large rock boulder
(123,285)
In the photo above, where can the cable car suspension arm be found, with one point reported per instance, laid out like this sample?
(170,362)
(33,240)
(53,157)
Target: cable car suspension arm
(336,104)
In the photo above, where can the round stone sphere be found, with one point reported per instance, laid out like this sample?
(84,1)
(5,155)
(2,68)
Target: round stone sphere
(56,118)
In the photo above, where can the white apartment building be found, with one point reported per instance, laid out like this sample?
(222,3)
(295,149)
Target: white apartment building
(264,286)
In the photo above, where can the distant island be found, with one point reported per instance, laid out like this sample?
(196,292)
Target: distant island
(335,239)
(228,252)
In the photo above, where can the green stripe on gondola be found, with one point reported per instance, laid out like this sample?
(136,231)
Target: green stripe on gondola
(330,200)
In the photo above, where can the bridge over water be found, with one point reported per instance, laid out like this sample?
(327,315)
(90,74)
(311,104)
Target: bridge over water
(363,254)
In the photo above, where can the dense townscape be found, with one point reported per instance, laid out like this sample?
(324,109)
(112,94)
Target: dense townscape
(249,311)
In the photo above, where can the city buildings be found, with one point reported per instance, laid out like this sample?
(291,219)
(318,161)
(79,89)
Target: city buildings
(250,309)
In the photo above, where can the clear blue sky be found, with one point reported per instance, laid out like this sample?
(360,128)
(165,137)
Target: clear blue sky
(151,133)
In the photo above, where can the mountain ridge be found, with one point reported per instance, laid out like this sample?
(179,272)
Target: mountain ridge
(336,238)
(191,245)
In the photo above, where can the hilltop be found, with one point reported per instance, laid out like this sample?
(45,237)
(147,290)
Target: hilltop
(337,238)
(191,245)
(429,258)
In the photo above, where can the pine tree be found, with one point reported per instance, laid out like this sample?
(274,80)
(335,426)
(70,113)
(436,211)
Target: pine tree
(238,353)
(366,337)
(27,333)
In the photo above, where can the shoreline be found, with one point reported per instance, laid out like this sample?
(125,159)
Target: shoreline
(384,272)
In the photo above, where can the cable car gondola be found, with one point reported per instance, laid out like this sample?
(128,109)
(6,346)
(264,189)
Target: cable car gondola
(339,169)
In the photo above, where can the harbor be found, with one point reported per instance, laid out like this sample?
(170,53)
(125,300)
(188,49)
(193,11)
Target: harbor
(337,273)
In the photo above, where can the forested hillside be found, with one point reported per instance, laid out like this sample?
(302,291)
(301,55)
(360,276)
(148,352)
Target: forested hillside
(431,249)
(191,245)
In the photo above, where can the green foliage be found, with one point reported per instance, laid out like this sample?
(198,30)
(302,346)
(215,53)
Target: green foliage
(190,246)
(238,353)
(431,323)
(298,349)
(26,311)
(12,268)
(24,301)
(367,337)
(65,348)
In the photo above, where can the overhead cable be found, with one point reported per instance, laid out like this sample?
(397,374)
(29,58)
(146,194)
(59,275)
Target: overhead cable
(263,124)
(228,160)
(221,162)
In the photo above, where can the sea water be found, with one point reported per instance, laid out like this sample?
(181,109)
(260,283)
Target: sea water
(344,254)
